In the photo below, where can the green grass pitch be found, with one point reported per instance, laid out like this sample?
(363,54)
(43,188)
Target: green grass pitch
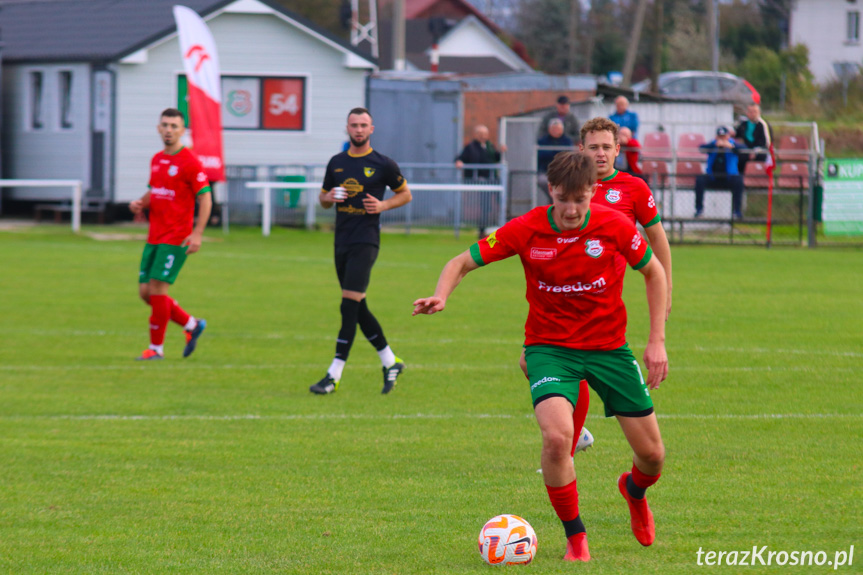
(225,463)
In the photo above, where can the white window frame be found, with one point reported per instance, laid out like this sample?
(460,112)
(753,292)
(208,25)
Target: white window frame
(852,27)
(65,108)
(30,102)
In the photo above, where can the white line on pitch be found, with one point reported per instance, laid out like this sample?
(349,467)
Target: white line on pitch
(409,416)
(414,366)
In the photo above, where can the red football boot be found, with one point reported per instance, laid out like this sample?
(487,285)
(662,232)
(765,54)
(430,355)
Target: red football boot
(639,513)
(576,548)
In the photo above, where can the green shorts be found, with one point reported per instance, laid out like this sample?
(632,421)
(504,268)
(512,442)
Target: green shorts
(613,374)
(161,262)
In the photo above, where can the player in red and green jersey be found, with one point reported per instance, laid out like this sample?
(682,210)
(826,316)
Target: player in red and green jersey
(576,329)
(624,192)
(628,195)
(177,182)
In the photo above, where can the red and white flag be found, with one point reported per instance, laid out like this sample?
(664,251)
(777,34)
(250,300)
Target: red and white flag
(201,63)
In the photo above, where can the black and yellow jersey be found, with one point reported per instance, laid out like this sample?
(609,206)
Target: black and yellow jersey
(370,173)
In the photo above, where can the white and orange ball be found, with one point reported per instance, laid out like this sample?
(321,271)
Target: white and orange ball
(507,540)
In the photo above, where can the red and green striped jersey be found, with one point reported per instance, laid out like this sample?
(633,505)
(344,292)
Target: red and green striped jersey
(574,287)
(628,195)
(175,182)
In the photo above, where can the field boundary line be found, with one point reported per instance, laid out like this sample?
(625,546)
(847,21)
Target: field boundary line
(408,416)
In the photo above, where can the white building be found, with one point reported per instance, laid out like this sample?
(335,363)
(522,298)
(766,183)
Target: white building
(831,30)
(84,83)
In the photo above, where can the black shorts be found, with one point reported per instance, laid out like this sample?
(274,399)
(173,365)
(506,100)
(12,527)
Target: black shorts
(354,266)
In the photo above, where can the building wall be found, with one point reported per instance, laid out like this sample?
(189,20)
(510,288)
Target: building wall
(473,39)
(248,44)
(486,107)
(416,121)
(53,151)
(822,26)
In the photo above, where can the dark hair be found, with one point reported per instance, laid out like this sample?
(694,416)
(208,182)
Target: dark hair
(599,125)
(571,171)
(564,99)
(359,111)
(173,113)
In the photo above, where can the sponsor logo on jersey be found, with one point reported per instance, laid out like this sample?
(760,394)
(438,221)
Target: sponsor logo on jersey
(594,248)
(651,203)
(543,380)
(636,241)
(612,196)
(568,240)
(202,177)
(543,253)
(492,239)
(352,186)
(173,171)
(369,172)
(164,193)
(577,287)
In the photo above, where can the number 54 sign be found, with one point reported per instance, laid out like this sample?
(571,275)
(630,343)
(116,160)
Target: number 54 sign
(283,103)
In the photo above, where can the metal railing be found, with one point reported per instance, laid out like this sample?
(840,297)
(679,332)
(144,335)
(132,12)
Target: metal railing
(442,197)
(75,185)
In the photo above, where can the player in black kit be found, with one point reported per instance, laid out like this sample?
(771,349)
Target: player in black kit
(355,182)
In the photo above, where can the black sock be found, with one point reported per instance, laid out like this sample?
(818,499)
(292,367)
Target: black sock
(349,309)
(634,490)
(370,326)
(574,527)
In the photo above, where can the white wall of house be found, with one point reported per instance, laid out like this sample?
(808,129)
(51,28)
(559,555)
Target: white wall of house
(248,44)
(472,38)
(60,147)
(827,28)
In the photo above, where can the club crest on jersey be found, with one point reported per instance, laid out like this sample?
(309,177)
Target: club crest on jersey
(492,239)
(369,172)
(173,170)
(612,196)
(594,248)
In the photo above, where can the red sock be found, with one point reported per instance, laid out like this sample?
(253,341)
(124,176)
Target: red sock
(178,314)
(643,480)
(564,500)
(580,412)
(161,311)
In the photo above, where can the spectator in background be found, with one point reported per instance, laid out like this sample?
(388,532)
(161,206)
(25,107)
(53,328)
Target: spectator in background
(754,133)
(550,145)
(561,112)
(480,151)
(630,150)
(623,117)
(722,172)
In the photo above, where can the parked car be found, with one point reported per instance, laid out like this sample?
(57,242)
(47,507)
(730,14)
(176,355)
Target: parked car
(704,85)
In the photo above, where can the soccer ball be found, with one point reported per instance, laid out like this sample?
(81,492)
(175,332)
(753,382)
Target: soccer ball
(507,540)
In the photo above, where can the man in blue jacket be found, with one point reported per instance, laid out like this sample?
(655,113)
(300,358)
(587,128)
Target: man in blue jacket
(722,172)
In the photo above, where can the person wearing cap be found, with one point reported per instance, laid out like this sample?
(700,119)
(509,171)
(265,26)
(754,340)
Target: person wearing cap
(722,172)
(561,111)
(623,116)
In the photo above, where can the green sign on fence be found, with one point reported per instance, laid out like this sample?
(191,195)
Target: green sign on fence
(842,211)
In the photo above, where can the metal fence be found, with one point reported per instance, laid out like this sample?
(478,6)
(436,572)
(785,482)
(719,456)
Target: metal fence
(443,197)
